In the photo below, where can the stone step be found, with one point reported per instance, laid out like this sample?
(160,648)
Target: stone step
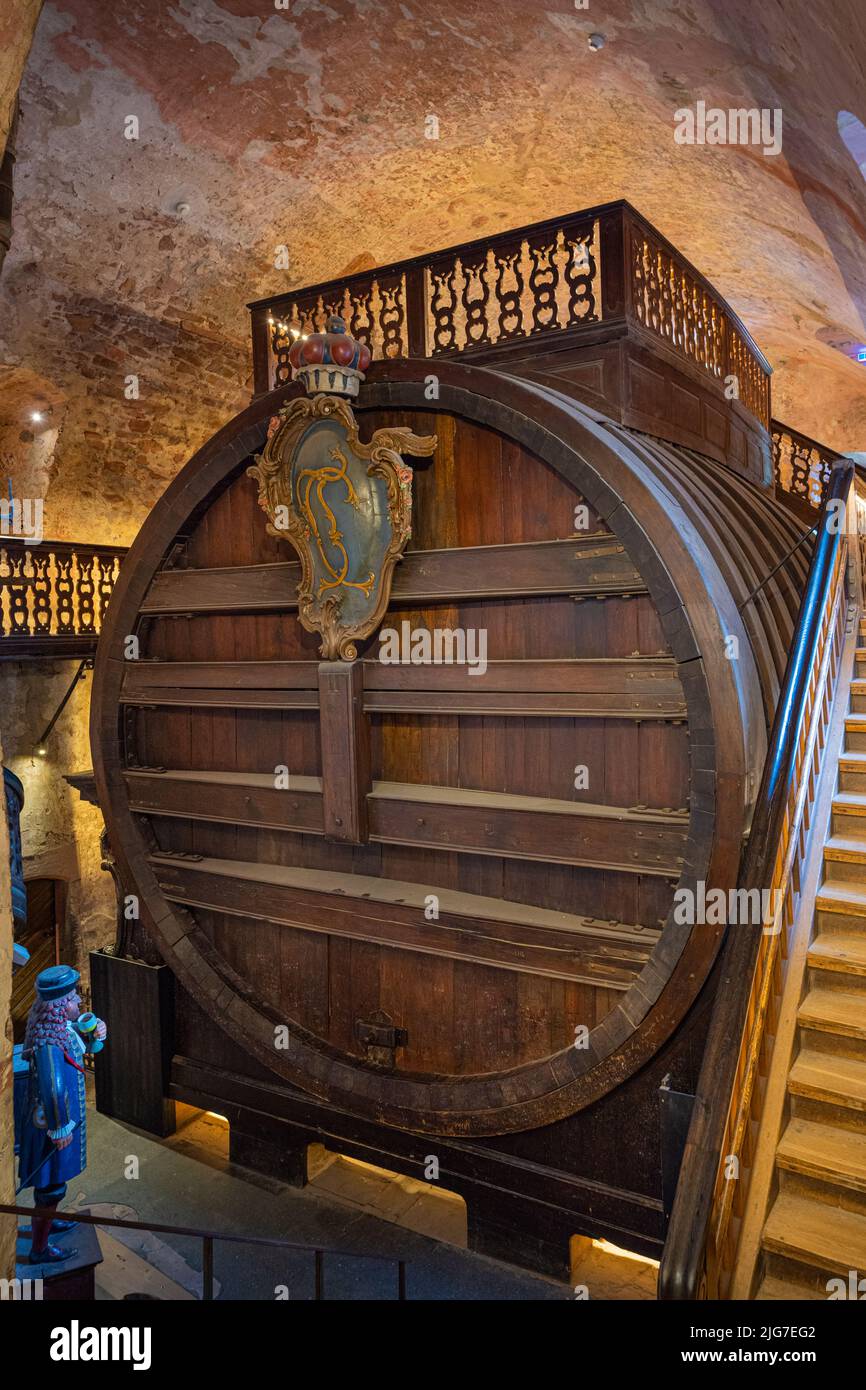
(843,953)
(842,896)
(835,1012)
(837,1157)
(855,733)
(831,1079)
(845,857)
(852,770)
(849,813)
(821,1237)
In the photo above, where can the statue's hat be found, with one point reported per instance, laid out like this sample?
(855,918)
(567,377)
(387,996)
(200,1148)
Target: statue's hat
(56,981)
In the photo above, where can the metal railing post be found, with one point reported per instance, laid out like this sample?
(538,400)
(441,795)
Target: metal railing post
(207,1269)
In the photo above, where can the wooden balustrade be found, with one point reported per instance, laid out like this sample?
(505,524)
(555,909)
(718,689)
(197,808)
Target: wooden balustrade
(699,1255)
(562,281)
(53,596)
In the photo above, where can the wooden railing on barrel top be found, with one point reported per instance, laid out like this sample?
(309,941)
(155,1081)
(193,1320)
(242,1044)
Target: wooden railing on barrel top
(700,1250)
(801,468)
(580,277)
(53,596)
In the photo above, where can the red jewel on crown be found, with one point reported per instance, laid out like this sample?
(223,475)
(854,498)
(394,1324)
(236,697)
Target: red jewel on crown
(331,363)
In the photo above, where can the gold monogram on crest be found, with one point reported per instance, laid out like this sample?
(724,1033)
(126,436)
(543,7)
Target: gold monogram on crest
(346,507)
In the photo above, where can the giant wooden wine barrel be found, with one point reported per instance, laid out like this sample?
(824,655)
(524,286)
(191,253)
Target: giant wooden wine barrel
(501,949)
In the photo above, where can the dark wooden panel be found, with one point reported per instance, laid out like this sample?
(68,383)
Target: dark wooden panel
(529,940)
(143,676)
(633,841)
(640,675)
(528,827)
(532,704)
(580,566)
(232,797)
(643,688)
(137,1003)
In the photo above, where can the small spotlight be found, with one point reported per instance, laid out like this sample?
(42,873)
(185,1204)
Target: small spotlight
(41,751)
(597,41)
(37,417)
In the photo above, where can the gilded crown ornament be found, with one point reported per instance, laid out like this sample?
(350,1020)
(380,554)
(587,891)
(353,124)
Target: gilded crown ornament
(345,506)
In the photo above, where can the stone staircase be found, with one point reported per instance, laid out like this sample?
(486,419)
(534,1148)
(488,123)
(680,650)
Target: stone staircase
(816,1228)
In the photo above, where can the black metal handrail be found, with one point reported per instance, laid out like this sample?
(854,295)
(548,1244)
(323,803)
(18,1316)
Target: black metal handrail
(684,1256)
(208,1237)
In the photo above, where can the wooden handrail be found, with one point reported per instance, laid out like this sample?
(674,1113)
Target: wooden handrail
(701,1243)
(207,1237)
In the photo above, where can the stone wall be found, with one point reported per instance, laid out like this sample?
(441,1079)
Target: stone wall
(58,830)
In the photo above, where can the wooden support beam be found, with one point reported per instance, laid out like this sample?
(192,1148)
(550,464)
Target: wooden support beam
(612,688)
(226,675)
(345,734)
(528,827)
(490,931)
(444,818)
(639,675)
(594,565)
(231,798)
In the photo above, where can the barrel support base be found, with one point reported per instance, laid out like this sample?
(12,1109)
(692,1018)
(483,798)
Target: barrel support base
(495,1230)
(266,1146)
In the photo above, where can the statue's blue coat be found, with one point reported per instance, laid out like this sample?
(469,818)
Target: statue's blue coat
(56,1090)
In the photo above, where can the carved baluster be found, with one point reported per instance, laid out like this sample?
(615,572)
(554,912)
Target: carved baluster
(281,341)
(392,317)
(543,281)
(18,586)
(580,273)
(41,593)
(638,276)
(653,307)
(359,315)
(5,571)
(106,575)
(442,307)
(664,284)
(64,587)
(86,591)
(510,286)
(475,299)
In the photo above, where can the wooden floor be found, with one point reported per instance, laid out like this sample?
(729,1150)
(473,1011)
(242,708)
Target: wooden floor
(816,1227)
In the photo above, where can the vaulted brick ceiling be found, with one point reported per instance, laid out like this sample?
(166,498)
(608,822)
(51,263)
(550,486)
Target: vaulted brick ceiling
(308,127)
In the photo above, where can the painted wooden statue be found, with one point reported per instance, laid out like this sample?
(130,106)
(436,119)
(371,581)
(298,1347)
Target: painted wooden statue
(51,1121)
